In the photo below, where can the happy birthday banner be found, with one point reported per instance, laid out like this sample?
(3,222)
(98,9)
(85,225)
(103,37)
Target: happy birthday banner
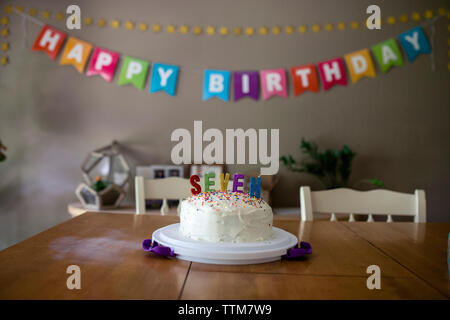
(216,83)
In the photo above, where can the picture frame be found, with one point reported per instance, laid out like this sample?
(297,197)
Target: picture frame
(160,171)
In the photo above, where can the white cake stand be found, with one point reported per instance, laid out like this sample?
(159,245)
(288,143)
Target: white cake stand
(225,253)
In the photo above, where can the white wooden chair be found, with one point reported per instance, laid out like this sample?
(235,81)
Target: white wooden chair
(167,188)
(371,202)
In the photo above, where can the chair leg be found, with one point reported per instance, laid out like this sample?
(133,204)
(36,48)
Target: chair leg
(333,217)
(351,218)
(164,207)
(389,219)
(370,218)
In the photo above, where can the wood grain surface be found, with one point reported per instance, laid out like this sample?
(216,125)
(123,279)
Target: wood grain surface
(107,248)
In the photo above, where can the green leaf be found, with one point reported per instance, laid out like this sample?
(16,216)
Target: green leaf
(377,183)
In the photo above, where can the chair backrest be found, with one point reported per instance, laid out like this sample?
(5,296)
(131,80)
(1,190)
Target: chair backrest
(349,201)
(167,188)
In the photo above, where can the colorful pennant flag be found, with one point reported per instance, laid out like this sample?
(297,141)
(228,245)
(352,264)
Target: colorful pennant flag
(304,78)
(387,54)
(216,83)
(76,53)
(273,82)
(103,63)
(164,77)
(246,84)
(133,71)
(49,40)
(332,72)
(414,42)
(360,65)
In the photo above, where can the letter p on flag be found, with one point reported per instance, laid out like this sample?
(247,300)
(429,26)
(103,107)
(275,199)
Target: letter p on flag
(49,40)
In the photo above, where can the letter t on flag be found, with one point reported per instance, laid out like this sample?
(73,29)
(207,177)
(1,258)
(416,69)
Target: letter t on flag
(164,77)
(304,78)
(49,40)
(216,83)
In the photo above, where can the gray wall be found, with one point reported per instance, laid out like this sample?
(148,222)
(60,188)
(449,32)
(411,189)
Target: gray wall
(51,116)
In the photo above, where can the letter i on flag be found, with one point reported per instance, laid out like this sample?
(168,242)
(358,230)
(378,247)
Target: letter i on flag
(332,72)
(246,84)
(76,53)
(387,54)
(414,42)
(360,65)
(304,78)
(216,83)
(103,63)
(133,71)
(273,82)
(49,40)
(164,77)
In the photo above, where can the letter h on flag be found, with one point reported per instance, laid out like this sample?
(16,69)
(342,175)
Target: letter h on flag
(49,40)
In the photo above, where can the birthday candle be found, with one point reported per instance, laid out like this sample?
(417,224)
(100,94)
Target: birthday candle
(224,182)
(197,188)
(255,187)
(208,182)
(237,183)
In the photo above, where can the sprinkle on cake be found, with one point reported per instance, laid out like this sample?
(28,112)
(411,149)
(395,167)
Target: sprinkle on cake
(233,199)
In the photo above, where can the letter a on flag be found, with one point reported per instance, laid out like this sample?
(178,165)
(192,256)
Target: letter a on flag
(387,54)
(76,53)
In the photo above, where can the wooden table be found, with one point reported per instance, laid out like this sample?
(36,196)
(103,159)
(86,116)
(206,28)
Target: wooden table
(107,248)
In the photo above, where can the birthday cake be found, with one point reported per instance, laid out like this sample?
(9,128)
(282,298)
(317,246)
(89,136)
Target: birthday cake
(223,216)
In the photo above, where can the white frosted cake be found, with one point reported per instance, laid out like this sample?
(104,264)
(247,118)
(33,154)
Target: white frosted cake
(226,217)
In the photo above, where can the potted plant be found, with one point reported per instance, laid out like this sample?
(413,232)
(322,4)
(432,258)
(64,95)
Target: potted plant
(331,167)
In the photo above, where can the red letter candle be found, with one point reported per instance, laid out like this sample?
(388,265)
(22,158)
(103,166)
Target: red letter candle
(193,180)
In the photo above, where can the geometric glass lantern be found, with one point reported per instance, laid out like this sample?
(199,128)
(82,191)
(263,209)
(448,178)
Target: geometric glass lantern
(106,174)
